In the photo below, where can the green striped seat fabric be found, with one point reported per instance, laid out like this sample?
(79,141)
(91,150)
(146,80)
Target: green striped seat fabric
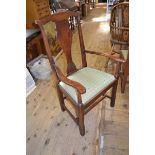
(93,80)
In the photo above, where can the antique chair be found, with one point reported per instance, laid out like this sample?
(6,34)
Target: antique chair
(119,31)
(84,87)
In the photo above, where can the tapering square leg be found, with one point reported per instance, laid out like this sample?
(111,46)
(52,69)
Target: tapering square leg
(81,121)
(61,99)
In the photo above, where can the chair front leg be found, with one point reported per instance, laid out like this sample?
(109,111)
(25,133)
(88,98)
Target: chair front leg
(61,99)
(113,97)
(81,120)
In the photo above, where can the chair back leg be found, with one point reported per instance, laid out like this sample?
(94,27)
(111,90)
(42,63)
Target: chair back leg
(124,77)
(113,96)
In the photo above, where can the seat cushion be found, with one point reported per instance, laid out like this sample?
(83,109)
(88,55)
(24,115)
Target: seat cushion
(93,80)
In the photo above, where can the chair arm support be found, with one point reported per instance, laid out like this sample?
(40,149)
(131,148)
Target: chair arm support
(79,87)
(106,55)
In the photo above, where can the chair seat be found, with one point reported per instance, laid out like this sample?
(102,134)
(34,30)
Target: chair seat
(93,80)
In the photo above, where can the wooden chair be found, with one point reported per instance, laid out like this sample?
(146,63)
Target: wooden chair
(119,31)
(84,87)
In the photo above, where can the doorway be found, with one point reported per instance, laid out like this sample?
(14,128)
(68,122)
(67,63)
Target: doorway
(102,1)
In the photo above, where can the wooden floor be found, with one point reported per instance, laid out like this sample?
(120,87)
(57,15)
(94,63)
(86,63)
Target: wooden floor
(52,132)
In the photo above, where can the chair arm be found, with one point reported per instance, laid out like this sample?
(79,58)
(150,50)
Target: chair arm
(107,55)
(79,87)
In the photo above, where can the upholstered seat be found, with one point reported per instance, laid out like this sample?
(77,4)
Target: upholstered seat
(93,80)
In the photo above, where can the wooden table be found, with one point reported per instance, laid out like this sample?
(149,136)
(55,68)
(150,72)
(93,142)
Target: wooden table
(34,44)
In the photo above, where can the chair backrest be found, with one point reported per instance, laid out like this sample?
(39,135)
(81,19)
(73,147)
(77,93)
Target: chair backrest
(64,37)
(119,23)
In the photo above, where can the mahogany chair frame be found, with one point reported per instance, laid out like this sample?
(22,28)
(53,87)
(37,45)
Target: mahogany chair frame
(64,36)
